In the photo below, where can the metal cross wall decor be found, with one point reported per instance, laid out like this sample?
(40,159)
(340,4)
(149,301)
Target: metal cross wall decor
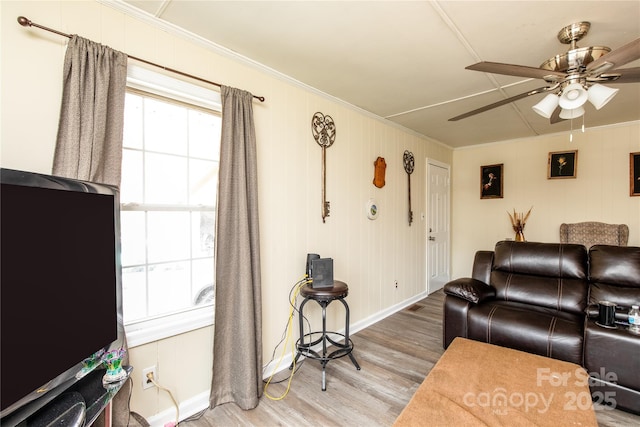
(409,163)
(324,132)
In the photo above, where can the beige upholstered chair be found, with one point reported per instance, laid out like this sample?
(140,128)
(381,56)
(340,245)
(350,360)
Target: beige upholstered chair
(594,233)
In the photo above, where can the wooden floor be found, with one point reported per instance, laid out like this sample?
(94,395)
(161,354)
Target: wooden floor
(395,355)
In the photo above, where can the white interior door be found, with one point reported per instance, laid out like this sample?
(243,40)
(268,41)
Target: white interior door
(438,235)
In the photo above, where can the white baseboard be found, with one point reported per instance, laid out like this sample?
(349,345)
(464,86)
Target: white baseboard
(187,408)
(200,401)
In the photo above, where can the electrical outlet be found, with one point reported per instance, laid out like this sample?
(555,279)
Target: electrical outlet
(146,382)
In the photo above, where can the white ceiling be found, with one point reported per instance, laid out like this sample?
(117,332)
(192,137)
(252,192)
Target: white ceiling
(405,60)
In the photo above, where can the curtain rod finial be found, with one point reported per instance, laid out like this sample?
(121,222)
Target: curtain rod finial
(24,21)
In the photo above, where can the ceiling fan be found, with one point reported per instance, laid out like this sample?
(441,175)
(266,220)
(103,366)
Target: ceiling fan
(571,78)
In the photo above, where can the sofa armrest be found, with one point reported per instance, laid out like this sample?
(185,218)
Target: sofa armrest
(454,319)
(469,289)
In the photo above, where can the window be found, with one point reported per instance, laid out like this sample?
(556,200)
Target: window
(168,200)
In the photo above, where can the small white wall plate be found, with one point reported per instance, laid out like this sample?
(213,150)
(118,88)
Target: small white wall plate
(372,209)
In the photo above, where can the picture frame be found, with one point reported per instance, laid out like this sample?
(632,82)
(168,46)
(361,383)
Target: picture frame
(562,164)
(491,181)
(634,174)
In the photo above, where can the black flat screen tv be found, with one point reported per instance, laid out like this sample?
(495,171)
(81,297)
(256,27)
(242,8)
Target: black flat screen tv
(60,285)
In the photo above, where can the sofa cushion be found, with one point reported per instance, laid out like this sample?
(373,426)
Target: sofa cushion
(615,275)
(528,328)
(541,259)
(618,265)
(543,274)
(482,264)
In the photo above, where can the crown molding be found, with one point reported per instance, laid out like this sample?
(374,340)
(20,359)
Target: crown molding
(150,19)
(548,135)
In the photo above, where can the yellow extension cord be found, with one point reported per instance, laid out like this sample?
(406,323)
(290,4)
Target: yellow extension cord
(284,348)
(171,396)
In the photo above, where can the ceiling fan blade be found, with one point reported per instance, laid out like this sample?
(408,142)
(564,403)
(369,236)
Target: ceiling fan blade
(500,103)
(626,75)
(516,70)
(619,57)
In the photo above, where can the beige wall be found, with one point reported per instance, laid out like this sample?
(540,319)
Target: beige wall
(369,255)
(600,191)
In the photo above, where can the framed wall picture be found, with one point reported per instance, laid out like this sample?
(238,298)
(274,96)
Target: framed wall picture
(562,164)
(491,178)
(634,174)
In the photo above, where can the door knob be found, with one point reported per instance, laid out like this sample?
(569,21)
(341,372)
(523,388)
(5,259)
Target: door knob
(432,238)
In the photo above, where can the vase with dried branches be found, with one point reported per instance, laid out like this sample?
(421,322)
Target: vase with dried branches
(518,221)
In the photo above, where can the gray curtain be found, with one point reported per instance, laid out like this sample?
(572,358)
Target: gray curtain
(237,342)
(89,143)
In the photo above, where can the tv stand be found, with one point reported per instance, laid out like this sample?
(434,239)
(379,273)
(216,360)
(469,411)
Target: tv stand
(79,405)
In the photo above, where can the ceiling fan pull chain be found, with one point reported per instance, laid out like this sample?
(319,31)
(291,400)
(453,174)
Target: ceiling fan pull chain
(571,134)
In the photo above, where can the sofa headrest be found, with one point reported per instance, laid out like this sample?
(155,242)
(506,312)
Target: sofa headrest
(541,259)
(616,265)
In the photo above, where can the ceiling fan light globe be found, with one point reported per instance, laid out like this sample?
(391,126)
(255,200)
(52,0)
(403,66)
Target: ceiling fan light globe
(547,106)
(600,95)
(573,96)
(569,114)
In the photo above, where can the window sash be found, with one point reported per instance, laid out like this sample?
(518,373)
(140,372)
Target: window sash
(150,84)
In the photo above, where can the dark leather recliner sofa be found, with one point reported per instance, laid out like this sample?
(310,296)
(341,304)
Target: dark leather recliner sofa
(542,298)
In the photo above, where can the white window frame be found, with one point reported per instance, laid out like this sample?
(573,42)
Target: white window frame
(163,326)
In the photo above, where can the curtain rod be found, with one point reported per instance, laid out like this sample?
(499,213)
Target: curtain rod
(28,23)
